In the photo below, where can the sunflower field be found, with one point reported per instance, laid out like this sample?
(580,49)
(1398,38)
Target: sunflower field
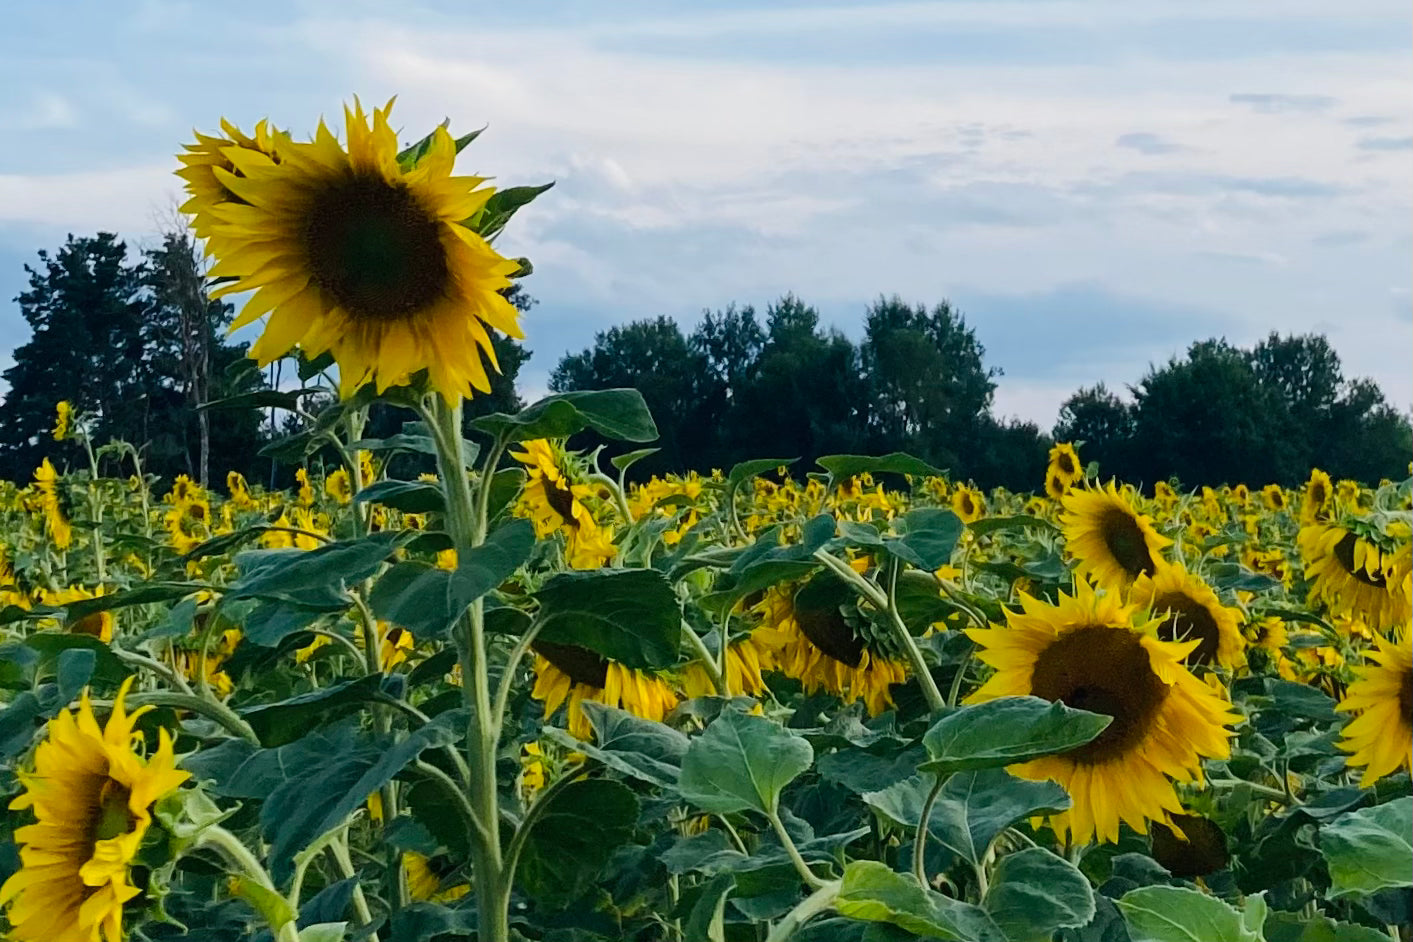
(493,689)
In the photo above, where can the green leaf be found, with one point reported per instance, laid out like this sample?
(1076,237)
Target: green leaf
(260,399)
(269,623)
(742,763)
(641,749)
(1179,914)
(614,413)
(326,790)
(422,444)
(843,467)
(287,720)
(626,461)
(144,594)
(745,470)
(574,838)
(1369,850)
(324,932)
(1033,893)
(502,205)
(928,539)
(1297,927)
(413,497)
(988,525)
(74,670)
(971,809)
(1005,731)
(707,920)
(872,892)
(314,578)
(631,616)
(52,646)
(505,487)
(481,569)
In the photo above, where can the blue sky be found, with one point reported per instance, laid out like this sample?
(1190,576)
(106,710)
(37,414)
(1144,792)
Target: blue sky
(1094,183)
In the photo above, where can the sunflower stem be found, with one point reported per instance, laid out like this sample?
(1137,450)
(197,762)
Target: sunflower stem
(211,709)
(807,875)
(935,703)
(817,902)
(466,520)
(920,839)
(698,646)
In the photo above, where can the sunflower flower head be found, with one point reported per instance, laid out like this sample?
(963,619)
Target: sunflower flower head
(1189,610)
(1092,652)
(1356,575)
(352,251)
(1111,542)
(1064,464)
(1380,736)
(54,505)
(63,420)
(91,796)
(567,675)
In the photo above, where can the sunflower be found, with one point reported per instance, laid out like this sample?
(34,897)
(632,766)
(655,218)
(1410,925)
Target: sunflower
(1319,494)
(239,490)
(1268,638)
(569,673)
(745,661)
(968,503)
(98,625)
(1356,577)
(426,876)
(1380,737)
(1094,653)
(1064,463)
(1056,487)
(337,486)
(1275,497)
(63,420)
(1112,543)
(1194,847)
(91,796)
(1190,610)
(350,252)
(199,164)
(553,503)
(54,503)
(809,639)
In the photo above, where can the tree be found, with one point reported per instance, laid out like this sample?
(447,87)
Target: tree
(1104,423)
(930,390)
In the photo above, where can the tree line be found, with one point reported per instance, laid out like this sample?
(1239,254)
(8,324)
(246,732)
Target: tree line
(135,342)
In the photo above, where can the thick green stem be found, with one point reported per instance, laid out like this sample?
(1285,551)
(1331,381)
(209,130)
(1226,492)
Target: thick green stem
(920,839)
(807,875)
(211,709)
(466,521)
(814,904)
(230,847)
(694,641)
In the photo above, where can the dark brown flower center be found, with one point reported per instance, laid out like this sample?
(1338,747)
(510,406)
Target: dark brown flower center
(1187,620)
(375,248)
(1102,670)
(1344,553)
(1405,697)
(1125,541)
(1204,851)
(827,630)
(561,499)
(1065,464)
(88,625)
(580,664)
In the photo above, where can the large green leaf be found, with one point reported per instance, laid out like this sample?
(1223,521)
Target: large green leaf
(314,578)
(971,809)
(574,838)
(269,623)
(21,718)
(631,616)
(1179,914)
(144,594)
(872,892)
(1005,731)
(988,525)
(642,749)
(279,723)
(843,467)
(620,414)
(928,538)
(413,497)
(1370,849)
(1298,927)
(742,763)
(1033,893)
(481,569)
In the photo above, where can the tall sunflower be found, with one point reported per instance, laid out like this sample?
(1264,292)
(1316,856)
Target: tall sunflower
(1112,543)
(55,505)
(1354,576)
(91,795)
(1190,611)
(1094,653)
(567,673)
(809,639)
(350,252)
(1064,463)
(1381,735)
(968,503)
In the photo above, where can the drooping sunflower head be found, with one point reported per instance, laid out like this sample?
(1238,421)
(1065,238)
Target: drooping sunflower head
(1189,610)
(569,674)
(54,504)
(1056,487)
(1064,461)
(352,252)
(1318,497)
(63,419)
(98,625)
(1194,847)
(1380,736)
(1112,543)
(968,503)
(1354,575)
(91,796)
(1094,653)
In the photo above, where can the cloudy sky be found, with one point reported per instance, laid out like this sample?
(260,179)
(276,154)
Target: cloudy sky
(1094,184)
